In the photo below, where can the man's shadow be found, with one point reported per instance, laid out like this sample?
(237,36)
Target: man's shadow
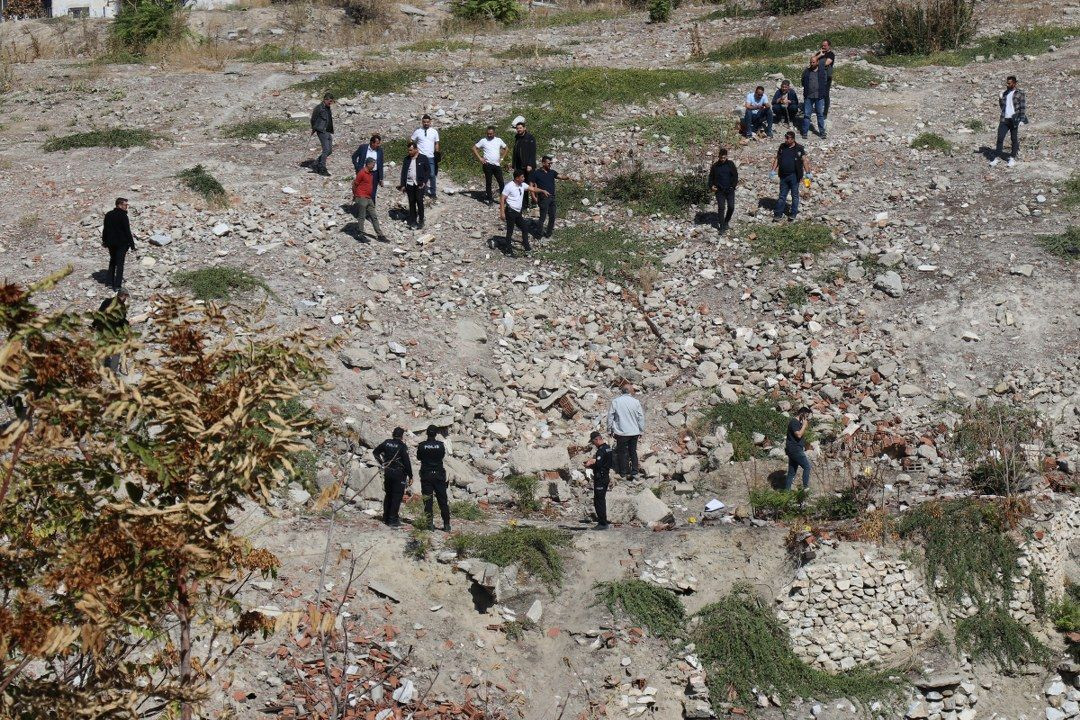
(988,153)
(102,276)
(767,203)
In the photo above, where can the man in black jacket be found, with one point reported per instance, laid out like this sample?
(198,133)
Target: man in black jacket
(393,456)
(116,236)
(601,470)
(723,177)
(322,124)
(815,87)
(430,453)
(524,156)
(415,173)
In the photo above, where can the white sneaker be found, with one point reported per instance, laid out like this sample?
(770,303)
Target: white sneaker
(994,162)
(1012,162)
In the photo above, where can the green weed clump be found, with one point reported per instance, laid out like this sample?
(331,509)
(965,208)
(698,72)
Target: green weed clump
(516,629)
(931,141)
(112,137)
(252,129)
(1065,613)
(503,11)
(569,194)
(644,604)
(571,17)
(791,7)
(992,633)
(220,282)
(589,249)
(765,46)
(991,437)
(1065,246)
(746,650)
(659,11)
(1071,191)
(794,295)
(418,545)
(975,125)
(788,242)
(534,549)
(438,45)
(653,192)
(347,83)
(744,418)
(770,504)
(466,510)
(528,50)
(524,487)
(856,76)
(272,53)
(205,184)
(912,27)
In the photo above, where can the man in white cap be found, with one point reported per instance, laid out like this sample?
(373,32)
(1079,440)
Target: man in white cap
(524,156)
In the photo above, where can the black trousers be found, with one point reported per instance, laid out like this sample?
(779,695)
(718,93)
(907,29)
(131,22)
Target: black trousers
(626,462)
(788,114)
(828,95)
(416,204)
(599,499)
(435,485)
(515,219)
(725,198)
(493,171)
(394,489)
(547,214)
(1010,127)
(116,267)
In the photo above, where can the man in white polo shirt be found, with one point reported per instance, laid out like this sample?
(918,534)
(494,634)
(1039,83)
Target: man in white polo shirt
(491,151)
(427,140)
(510,202)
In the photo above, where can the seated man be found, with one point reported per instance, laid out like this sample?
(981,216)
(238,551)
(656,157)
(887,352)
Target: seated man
(757,112)
(785,104)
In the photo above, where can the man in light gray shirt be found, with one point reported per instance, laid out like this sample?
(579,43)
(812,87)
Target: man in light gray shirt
(626,421)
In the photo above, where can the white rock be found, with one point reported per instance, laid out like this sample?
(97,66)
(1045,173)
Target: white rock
(221,229)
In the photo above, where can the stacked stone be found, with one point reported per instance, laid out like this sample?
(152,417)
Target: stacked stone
(946,696)
(1063,693)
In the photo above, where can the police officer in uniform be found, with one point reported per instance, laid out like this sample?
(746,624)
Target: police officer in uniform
(601,467)
(393,456)
(430,453)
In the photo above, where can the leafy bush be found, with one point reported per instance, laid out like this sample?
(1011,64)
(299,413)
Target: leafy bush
(504,11)
(920,27)
(931,141)
(535,549)
(251,129)
(644,604)
(788,242)
(205,184)
(219,282)
(1027,41)
(113,137)
(991,437)
(747,650)
(744,418)
(791,7)
(1066,245)
(1066,612)
(653,192)
(142,22)
(524,487)
(994,634)
(271,53)
(589,248)
(659,11)
(770,504)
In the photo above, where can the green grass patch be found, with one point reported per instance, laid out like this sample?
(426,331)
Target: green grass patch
(644,604)
(685,131)
(534,549)
(746,650)
(516,629)
(794,295)
(743,419)
(728,10)
(528,50)
(931,141)
(347,83)
(438,45)
(765,46)
(993,634)
(220,282)
(466,510)
(418,545)
(202,182)
(571,17)
(771,504)
(1030,41)
(653,192)
(856,76)
(252,129)
(788,242)
(113,137)
(589,249)
(1070,190)
(975,125)
(569,195)
(1065,613)
(1065,246)
(271,53)
(524,488)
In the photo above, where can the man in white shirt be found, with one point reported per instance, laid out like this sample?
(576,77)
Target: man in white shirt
(758,109)
(626,421)
(510,202)
(427,140)
(491,151)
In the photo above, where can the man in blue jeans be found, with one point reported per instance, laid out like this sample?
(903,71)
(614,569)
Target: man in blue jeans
(427,140)
(790,163)
(758,111)
(795,448)
(815,87)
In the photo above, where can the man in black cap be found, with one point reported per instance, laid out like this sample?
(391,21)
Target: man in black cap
(430,453)
(601,467)
(393,456)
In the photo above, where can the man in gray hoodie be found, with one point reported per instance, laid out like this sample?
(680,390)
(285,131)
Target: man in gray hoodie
(626,421)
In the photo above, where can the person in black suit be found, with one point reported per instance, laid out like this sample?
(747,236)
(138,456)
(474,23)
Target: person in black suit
(372,147)
(116,236)
(415,173)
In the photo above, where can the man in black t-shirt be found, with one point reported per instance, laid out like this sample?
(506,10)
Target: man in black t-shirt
(795,448)
(544,179)
(789,164)
(601,467)
(828,57)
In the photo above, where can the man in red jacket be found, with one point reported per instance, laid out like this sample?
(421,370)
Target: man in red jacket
(362,190)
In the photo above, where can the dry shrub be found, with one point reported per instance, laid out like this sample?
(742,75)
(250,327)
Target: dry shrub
(921,27)
(190,55)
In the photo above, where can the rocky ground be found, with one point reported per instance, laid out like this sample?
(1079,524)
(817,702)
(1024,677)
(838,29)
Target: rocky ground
(936,293)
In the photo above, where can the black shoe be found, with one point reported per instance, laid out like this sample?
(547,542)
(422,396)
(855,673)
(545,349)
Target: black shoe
(446,527)
(410,225)
(527,247)
(394,523)
(547,234)
(804,136)
(601,526)
(420,226)
(431,527)
(324,172)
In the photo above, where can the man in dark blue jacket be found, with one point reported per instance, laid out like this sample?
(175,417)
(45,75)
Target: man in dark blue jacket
(723,177)
(815,87)
(785,104)
(116,236)
(415,173)
(372,148)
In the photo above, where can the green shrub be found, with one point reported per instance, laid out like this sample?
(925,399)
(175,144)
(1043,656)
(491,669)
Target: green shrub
(535,549)
(652,192)
(142,22)
(219,282)
(570,193)
(271,53)
(788,242)
(975,125)
(659,11)
(919,27)
(466,510)
(836,506)
(419,543)
(791,7)
(521,51)
(205,184)
(991,438)
(438,45)
(744,418)
(113,137)
(524,487)
(1028,41)
(931,141)
(746,650)
(516,629)
(252,129)
(503,11)
(1066,245)
(644,604)
(347,83)
(794,295)
(1065,613)
(993,634)
(770,504)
